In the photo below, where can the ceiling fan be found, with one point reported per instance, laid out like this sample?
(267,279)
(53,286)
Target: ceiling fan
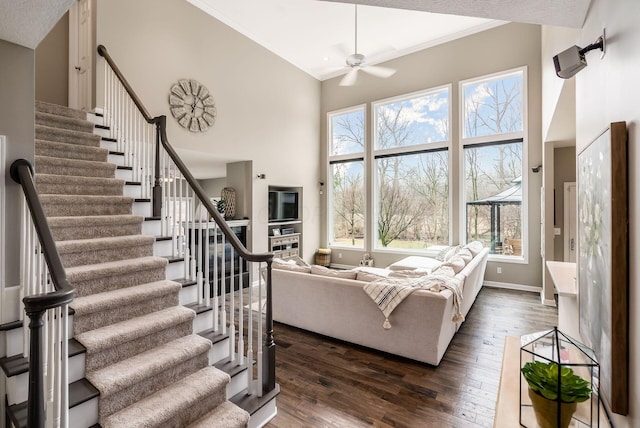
(356,62)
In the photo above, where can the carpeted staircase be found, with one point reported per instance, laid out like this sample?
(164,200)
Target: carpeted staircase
(141,353)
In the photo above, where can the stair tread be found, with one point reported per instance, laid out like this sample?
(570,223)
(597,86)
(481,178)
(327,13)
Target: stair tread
(95,244)
(101,301)
(80,392)
(95,220)
(214,336)
(75,147)
(232,368)
(67,135)
(164,404)
(185,282)
(109,268)
(198,308)
(75,179)
(73,162)
(126,331)
(59,110)
(10,325)
(113,378)
(63,122)
(226,414)
(17,364)
(253,403)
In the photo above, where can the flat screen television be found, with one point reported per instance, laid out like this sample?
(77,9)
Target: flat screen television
(283,205)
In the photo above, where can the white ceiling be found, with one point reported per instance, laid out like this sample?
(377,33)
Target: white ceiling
(26,23)
(317,36)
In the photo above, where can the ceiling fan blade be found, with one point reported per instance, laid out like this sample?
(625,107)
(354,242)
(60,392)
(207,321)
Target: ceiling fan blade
(378,71)
(349,78)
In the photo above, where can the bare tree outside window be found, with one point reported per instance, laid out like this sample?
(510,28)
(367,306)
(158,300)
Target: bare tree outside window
(412,185)
(347,177)
(493,115)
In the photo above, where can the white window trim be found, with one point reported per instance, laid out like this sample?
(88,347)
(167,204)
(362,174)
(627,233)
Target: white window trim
(343,158)
(524,258)
(407,149)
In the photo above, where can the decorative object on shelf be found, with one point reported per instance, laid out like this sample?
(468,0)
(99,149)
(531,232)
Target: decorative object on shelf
(323,257)
(288,230)
(275,232)
(562,378)
(221,206)
(192,105)
(228,194)
(367,260)
(603,276)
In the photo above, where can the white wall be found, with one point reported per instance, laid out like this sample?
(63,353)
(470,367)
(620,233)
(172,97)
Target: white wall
(502,48)
(607,91)
(268,110)
(17,123)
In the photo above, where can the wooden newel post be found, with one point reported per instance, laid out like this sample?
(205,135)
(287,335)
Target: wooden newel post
(35,404)
(269,352)
(160,122)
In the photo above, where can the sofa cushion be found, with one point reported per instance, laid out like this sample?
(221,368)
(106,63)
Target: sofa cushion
(415,262)
(292,265)
(321,270)
(412,273)
(368,274)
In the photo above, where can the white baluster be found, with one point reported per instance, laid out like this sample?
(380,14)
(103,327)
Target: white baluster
(250,333)
(259,337)
(232,308)
(240,314)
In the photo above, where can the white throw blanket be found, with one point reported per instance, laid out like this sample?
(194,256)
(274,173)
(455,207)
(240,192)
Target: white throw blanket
(388,293)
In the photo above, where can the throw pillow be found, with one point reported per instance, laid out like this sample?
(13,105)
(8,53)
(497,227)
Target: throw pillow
(452,251)
(289,265)
(321,270)
(465,254)
(456,263)
(368,274)
(475,247)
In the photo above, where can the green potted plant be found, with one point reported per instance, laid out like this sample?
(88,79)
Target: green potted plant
(545,392)
(221,205)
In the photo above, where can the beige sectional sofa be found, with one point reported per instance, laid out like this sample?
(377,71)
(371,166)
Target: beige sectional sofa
(422,325)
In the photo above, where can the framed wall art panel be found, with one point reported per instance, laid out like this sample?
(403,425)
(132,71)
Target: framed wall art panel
(603,277)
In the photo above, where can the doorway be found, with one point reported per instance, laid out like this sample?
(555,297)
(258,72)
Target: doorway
(81,54)
(570,222)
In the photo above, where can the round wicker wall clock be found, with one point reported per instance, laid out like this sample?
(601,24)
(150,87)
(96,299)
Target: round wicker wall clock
(192,105)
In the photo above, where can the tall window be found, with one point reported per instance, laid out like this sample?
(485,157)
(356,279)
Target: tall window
(411,169)
(493,141)
(347,178)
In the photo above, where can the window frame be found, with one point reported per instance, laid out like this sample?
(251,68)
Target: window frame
(497,140)
(408,150)
(350,157)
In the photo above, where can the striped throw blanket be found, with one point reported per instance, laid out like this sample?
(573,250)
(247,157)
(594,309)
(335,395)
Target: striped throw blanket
(388,293)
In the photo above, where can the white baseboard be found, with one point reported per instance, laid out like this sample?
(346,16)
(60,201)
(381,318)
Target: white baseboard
(339,266)
(510,286)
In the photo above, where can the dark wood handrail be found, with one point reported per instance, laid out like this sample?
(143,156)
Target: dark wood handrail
(22,173)
(204,199)
(161,127)
(269,354)
(103,52)
(35,306)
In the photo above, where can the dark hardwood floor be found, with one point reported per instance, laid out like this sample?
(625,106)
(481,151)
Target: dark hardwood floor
(327,383)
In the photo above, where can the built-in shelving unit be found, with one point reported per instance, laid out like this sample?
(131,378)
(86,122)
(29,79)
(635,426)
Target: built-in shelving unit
(285,221)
